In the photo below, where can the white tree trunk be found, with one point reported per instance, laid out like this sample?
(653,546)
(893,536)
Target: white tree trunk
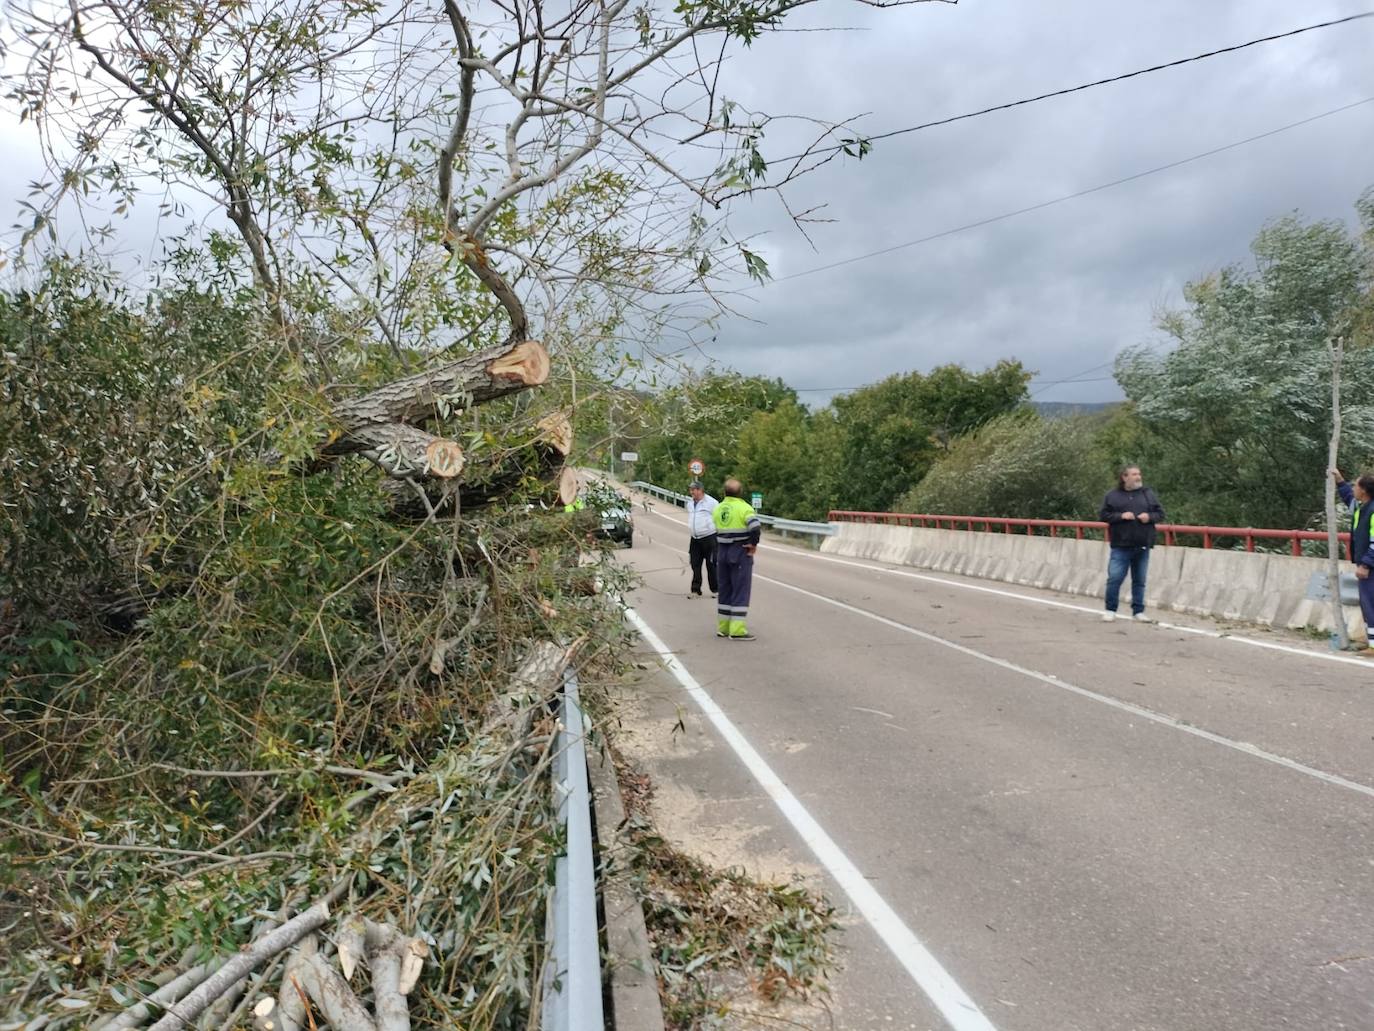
(188,1009)
(1335,348)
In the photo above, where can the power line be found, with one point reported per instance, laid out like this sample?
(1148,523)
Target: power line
(1079,88)
(1074,196)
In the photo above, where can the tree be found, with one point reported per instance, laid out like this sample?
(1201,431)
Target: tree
(791,456)
(894,430)
(704,418)
(386,216)
(1019,465)
(1239,410)
(444,178)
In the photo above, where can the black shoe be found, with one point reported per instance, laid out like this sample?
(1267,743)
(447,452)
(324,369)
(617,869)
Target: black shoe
(721,633)
(743,637)
(694,594)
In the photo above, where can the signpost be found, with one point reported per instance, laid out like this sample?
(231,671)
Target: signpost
(696,467)
(629,456)
(756,500)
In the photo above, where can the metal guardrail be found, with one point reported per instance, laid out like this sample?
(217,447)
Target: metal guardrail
(572,969)
(773,522)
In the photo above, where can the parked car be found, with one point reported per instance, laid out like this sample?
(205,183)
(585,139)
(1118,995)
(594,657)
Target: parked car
(617,524)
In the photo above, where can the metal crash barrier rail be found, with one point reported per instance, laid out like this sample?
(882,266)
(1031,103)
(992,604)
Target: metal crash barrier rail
(572,968)
(784,526)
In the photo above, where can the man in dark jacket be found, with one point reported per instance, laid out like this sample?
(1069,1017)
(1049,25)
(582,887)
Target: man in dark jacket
(1131,513)
(1359,498)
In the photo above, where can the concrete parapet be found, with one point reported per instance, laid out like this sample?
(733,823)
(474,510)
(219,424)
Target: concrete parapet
(1256,587)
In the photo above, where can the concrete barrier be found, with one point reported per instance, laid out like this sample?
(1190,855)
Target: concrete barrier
(1253,587)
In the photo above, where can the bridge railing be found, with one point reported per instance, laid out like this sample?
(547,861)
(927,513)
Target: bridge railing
(1171,532)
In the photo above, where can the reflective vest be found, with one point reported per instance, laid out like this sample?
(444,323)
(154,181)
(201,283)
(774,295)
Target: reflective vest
(735,521)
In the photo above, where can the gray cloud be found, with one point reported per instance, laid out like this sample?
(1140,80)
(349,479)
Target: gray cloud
(1064,288)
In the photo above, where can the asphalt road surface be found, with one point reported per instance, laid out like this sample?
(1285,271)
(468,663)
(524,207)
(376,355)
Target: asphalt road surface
(1037,821)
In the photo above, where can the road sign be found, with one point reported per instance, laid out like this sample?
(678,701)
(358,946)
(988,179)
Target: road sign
(696,467)
(629,456)
(756,500)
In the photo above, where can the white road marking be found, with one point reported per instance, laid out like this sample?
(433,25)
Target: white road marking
(1136,710)
(1051,603)
(875,712)
(961,1013)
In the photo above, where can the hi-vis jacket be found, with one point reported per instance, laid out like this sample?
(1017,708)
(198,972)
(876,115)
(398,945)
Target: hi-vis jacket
(1361,540)
(736,522)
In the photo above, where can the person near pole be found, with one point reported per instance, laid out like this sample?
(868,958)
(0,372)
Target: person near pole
(1131,513)
(701,545)
(738,529)
(1359,498)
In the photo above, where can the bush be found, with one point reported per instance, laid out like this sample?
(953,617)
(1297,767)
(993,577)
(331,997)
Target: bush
(1019,466)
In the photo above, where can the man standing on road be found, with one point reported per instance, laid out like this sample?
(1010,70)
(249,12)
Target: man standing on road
(1359,498)
(737,536)
(1131,513)
(701,548)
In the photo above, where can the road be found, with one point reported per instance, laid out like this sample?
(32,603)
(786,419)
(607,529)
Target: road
(1038,821)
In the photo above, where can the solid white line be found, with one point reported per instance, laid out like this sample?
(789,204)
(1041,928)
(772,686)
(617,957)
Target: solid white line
(1051,603)
(1116,703)
(958,1009)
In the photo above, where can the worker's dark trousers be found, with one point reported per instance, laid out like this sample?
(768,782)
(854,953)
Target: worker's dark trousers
(702,551)
(1366,606)
(734,571)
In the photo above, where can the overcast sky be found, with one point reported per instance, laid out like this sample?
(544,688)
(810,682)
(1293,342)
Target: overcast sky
(1063,289)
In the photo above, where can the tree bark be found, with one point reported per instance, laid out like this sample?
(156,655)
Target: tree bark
(395,961)
(534,679)
(471,380)
(401,451)
(487,483)
(330,992)
(1336,349)
(188,1009)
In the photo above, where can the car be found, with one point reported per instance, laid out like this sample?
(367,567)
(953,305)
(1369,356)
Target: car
(617,525)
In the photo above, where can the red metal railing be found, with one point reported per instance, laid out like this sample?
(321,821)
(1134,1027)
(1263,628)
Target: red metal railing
(1170,531)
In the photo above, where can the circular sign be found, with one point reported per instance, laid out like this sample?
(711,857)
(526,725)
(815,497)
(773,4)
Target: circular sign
(696,467)
(444,458)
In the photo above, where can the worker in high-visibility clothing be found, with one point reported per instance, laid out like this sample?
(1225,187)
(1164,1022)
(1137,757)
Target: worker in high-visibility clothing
(1359,498)
(738,529)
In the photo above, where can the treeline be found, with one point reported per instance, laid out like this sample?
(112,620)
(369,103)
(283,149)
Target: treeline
(1230,424)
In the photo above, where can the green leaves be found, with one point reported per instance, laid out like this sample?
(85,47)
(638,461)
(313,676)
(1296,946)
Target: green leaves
(1236,416)
(755,265)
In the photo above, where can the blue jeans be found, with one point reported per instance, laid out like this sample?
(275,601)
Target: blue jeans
(1137,560)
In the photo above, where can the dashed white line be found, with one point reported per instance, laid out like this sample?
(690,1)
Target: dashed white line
(954,1004)
(1116,703)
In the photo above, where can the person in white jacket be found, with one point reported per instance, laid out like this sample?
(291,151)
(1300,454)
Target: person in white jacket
(701,547)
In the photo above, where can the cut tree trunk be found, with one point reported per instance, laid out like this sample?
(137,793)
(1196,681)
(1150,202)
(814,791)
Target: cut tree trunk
(189,1008)
(402,451)
(489,482)
(535,679)
(471,380)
